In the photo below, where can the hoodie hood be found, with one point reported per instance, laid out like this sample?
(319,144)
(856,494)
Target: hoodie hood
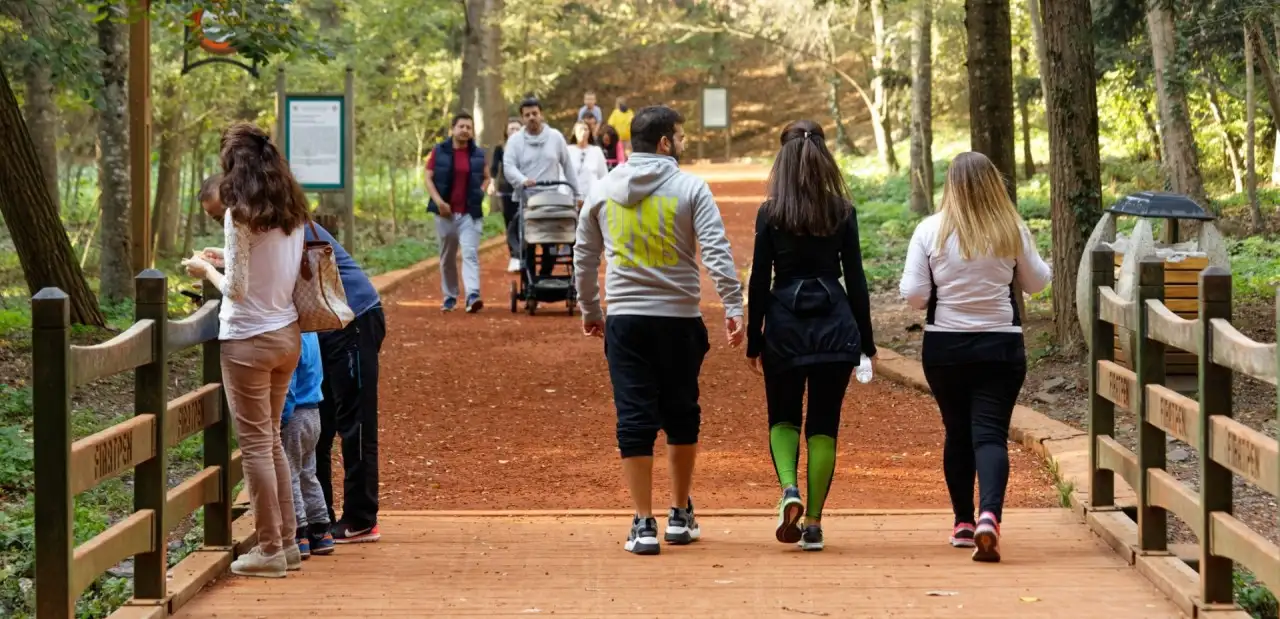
(638,178)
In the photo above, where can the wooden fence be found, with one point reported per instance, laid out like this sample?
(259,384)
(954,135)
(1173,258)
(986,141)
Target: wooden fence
(64,468)
(1227,447)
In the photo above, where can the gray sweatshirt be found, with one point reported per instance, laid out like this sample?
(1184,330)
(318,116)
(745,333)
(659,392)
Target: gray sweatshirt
(650,219)
(542,157)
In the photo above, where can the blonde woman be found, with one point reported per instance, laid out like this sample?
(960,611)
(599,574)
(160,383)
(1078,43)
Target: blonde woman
(961,267)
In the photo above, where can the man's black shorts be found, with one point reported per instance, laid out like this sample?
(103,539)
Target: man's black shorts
(654,364)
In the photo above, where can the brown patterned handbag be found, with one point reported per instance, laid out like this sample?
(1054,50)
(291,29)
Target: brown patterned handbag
(318,294)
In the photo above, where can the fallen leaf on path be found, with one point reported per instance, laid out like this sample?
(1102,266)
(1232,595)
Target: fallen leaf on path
(942,593)
(1029,599)
(816,613)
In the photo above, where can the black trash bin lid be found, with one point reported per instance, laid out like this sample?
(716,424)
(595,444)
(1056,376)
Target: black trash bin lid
(1160,204)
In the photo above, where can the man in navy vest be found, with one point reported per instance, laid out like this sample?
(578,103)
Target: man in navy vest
(457,179)
(349,407)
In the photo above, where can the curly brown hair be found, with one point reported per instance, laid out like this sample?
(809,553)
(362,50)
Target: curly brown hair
(257,185)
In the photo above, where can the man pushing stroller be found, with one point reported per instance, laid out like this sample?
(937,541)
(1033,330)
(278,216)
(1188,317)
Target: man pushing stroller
(536,153)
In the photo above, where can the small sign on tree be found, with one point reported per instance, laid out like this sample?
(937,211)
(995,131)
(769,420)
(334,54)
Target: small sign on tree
(715,108)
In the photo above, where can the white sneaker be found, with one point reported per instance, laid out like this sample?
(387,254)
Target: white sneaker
(514,265)
(257,563)
(293,557)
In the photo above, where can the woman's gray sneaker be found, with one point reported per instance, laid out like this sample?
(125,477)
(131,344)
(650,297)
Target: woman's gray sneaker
(790,511)
(811,539)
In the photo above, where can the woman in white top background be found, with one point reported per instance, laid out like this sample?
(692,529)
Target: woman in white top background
(586,158)
(266,214)
(961,267)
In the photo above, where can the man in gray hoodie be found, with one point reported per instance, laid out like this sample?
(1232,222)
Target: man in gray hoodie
(650,220)
(536,153)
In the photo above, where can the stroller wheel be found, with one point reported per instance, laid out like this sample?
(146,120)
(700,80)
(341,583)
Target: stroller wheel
(515,298)
(532,306)
(572,304)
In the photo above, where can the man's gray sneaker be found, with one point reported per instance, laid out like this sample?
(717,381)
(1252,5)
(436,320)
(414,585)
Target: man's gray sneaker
(643,539)
(682,527)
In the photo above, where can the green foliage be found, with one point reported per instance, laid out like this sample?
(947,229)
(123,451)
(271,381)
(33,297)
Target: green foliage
(1254,597)
(1255,267)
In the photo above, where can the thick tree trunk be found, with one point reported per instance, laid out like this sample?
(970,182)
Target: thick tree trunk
(1220,123)
(1074,177)
(471,56)
(1251,162)
(113,164)
(41,242)
(882,121)
(491,98)
(1181,159)
(991,127)
(1037,35)
(922,108)
(40,108)
(169,178)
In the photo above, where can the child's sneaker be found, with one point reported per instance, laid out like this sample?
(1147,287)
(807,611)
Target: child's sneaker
(293,557)
(304,547)
(256,563)
(344,533)
(682,527)
(643,539)
(449,304)
(322,545)
(962,535)
(811,539)
(790,511)
(987,539)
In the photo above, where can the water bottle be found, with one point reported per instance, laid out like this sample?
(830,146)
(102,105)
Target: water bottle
(864,370)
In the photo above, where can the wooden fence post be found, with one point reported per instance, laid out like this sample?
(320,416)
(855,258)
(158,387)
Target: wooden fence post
(217,442)
(1102,413)
(1215,399)
(1149,365)
(151,478)
(55,505)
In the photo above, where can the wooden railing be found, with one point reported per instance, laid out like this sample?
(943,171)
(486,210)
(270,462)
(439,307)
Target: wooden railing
(64,468)
(1227,447)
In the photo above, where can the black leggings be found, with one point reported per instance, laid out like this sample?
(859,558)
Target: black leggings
(827,383)
(976,400)
(509,209)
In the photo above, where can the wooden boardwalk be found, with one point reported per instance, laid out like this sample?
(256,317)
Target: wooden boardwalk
(877,564)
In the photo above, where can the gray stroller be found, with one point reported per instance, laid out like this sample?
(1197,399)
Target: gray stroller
(549,220)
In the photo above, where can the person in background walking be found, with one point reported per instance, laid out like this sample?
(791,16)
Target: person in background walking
(808,330)
(264,219)
(611,145)
(620,118)
(587,159)
(500,187)
(961,266)
(537,153)
(350,388)
(657,219)
(456,169)
(300,431)
(589,107)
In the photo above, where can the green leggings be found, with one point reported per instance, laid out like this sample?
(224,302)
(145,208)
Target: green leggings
(826,384)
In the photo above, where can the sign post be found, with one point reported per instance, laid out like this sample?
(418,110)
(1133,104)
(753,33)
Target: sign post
(715,114)
(318,139)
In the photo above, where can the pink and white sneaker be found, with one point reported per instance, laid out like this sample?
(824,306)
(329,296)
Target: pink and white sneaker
(986,539)
(962,535)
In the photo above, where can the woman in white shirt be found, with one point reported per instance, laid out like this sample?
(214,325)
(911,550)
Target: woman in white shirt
(266,213)
(961,267)
(586,158)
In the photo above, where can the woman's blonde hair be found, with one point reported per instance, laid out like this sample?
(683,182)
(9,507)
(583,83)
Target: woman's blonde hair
(976,208)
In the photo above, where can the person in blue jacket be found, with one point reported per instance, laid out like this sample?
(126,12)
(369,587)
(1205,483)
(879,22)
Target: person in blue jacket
(299,432)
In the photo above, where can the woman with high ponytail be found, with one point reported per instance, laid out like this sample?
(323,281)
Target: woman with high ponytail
(809,318)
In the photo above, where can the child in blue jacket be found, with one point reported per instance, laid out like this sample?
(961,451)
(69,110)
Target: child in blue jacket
(299,431)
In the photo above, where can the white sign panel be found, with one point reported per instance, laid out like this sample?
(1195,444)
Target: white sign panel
(715,108)
(315,141)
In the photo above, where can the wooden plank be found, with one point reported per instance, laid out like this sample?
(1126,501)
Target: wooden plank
(126,351)
(122,540)
(237,468)
(1179,276)
(1181,291)
(195,571)
(111,452)
(1247,452)
(1235,350)
(1167,492)
(197,328)
(1116,384)
(1183,305)
(1187,263)
(1235,540)
(1114,309)
(141,610)
(196,492)
(1174,413)
(193,412)
(1116,457)
(1168,327)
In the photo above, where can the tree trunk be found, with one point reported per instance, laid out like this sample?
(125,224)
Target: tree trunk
(844,142)
(491,98)
(40,107)
(193,190)
(1028,159)
(1220,122)
(41,242)
(1074,178)
(1251,163)
(882,121)
(1037,35)
(922,108)
(471,56)
(990,63)
(116,273)
(1157,150)
(1181,160)
(168,179)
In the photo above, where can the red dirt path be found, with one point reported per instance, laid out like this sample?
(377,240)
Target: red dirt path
(506,411)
